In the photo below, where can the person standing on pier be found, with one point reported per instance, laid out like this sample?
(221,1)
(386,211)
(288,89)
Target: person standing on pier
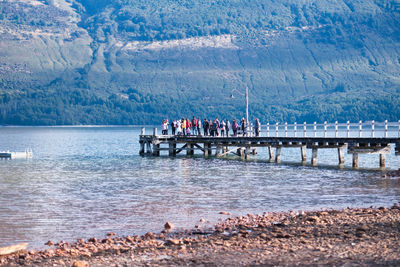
(179,127)
(173,127)
(198,126)
(227,127)
(243,126)
(183,126)
(257,126)
(194,125)
(188,126)
(222,128)
(206,126)
(235,127)
(216,121)
(164,129)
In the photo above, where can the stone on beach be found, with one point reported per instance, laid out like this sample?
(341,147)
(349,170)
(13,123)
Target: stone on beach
(49,243)
(80,264)
(168,226)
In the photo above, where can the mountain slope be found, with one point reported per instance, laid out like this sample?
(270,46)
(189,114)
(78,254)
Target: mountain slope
(135,62)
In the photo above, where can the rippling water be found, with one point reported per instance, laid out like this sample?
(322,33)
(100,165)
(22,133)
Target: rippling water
(87,181)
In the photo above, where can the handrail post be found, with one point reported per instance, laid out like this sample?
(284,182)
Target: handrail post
(336,129)
(295,129)
(325,128)
(360,129)
(285,129)
(155,132)
(386,128)
(315,129)
(305,129)
(143,131)
(373,128)
(348,129)
(268,129)
(277,129)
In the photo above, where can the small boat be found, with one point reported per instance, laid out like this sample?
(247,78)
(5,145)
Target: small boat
(14,155)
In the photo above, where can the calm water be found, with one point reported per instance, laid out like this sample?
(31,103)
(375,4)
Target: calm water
(87,181)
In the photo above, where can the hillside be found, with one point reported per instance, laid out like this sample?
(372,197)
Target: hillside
(136,62)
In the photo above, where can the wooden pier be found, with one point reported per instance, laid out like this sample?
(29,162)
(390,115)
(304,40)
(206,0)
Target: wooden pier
(245,146)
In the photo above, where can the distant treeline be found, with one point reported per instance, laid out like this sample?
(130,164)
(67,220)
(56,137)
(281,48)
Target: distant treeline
(79,106)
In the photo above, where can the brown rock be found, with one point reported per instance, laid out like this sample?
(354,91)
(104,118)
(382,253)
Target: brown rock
(168,226)
(49,243)
(202,220)
(149,235)
(173,241)
(110,234)
(80,264)
(224,213)
(93,240)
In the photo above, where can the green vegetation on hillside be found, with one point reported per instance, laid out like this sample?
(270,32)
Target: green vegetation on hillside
(301,60)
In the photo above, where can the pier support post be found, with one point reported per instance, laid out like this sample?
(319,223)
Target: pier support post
(341,155)
(172,149)
(314,158)
(218,150)
(254,151)
(382,160)
(148,148)
(240,152)
(189,150)
(206,149)
(303,153)
(247,152)
(141,151)
(355,160)
(156,150)
(271,154)
(278,154)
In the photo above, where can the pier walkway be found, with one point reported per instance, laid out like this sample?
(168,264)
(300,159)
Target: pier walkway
(360,138)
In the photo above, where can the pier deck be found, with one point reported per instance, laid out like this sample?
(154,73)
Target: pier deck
(244,146)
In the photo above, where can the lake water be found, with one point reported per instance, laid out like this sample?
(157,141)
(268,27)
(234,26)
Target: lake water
(87,181)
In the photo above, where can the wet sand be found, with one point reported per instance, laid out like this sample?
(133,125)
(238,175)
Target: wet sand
(356,236)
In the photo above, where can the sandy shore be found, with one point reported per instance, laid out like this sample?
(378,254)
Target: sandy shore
(358,236)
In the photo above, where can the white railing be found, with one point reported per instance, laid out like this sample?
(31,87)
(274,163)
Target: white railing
(348,129)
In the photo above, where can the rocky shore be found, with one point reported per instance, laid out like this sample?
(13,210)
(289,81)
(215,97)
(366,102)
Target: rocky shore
(353,236)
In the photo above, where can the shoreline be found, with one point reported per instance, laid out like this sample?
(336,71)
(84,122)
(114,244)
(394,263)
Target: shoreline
(362,236)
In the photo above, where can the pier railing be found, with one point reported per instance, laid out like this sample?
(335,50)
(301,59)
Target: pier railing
(369,129)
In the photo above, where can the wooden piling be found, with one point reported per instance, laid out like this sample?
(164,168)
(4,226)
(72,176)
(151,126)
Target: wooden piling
(271,154)
(341,155)
(314,157)
(303,153)
(141,150)
(172,149)
(355,160)
(156,150)
(278,154)
(206,146)
(189,149)
(247,153)
(382,160)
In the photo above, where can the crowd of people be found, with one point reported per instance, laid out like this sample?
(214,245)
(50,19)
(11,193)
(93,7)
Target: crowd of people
(206,127)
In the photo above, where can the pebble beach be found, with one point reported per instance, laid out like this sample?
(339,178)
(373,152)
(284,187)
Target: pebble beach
(347,237)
